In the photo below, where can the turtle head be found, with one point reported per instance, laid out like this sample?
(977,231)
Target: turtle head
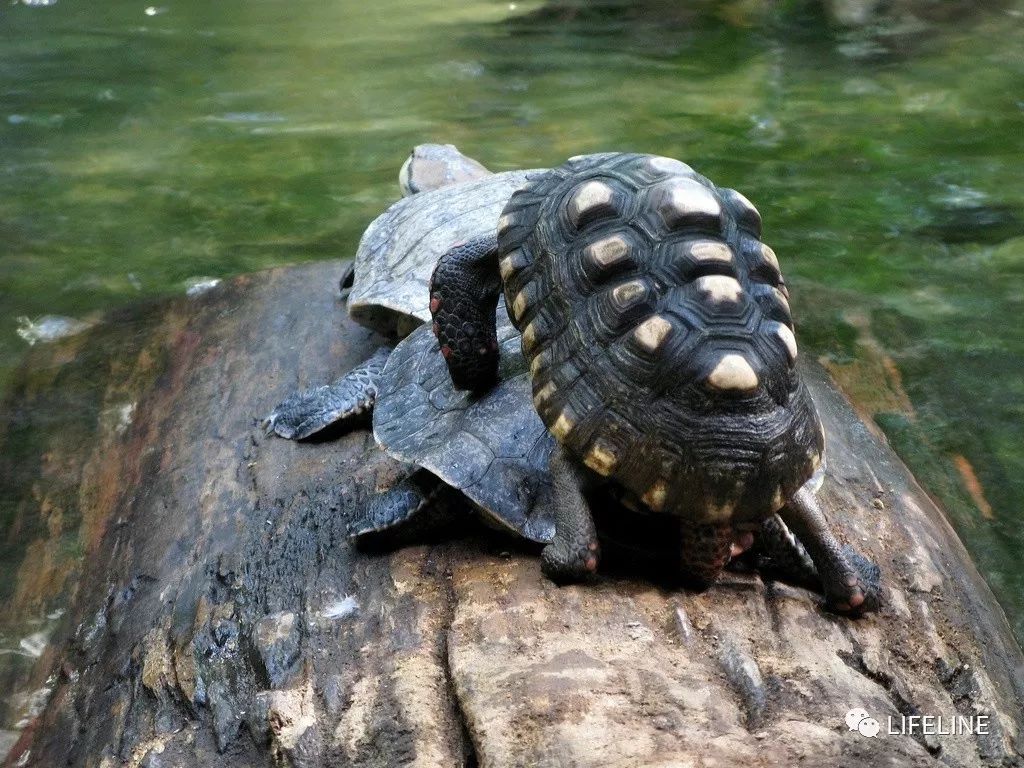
(432,166)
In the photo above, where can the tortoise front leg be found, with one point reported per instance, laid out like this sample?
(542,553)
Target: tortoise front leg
(463,297)
(849,579)
(574,552)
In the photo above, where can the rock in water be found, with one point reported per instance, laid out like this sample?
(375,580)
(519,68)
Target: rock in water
(50,328)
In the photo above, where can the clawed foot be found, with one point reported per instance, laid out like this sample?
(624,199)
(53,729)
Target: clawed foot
(564,561)
(417,496)
(302,414)
(850,581)
(858,592)
(386,509)
(306,413)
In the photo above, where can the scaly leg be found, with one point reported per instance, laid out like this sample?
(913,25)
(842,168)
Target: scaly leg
(464,293)
(411,497)
(308,412)
(574,552)
(850,581)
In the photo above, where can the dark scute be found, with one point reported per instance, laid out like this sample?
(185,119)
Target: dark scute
(493,447)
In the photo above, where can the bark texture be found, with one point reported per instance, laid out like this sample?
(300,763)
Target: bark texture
(219,616)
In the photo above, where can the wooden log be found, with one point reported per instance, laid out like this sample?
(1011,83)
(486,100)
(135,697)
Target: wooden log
(219,616)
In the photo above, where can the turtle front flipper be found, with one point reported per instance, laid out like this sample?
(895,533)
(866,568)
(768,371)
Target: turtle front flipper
(573,553)
(347,280)
(850,581)
(464,293)
(313,410)
(408,499)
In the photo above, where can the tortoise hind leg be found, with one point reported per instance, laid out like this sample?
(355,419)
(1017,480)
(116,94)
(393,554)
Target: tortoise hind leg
(463,297)
(850,581)
(313,410)
(573,554)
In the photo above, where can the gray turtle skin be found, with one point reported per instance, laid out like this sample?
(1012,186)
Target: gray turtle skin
(660,341)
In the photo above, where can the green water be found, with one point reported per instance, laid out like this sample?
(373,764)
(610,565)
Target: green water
(142,148)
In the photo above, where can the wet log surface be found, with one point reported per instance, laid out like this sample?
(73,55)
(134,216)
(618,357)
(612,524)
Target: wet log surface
(219,616)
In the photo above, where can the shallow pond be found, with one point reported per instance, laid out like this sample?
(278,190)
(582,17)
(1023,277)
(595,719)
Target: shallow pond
(147,147)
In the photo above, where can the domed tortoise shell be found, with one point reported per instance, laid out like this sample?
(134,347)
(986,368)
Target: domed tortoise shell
(659,336)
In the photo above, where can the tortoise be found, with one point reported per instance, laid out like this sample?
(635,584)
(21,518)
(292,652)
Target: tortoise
(662,357)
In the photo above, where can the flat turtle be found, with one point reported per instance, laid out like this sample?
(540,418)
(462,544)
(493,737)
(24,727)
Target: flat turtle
(490,448)
(658,332)
(494,448)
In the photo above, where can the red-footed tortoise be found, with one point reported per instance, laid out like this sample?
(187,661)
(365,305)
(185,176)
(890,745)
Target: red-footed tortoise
(660,343)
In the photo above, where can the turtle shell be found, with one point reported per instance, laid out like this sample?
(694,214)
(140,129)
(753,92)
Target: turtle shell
(401,247)
(658,332)
(494,448)
(432,166)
